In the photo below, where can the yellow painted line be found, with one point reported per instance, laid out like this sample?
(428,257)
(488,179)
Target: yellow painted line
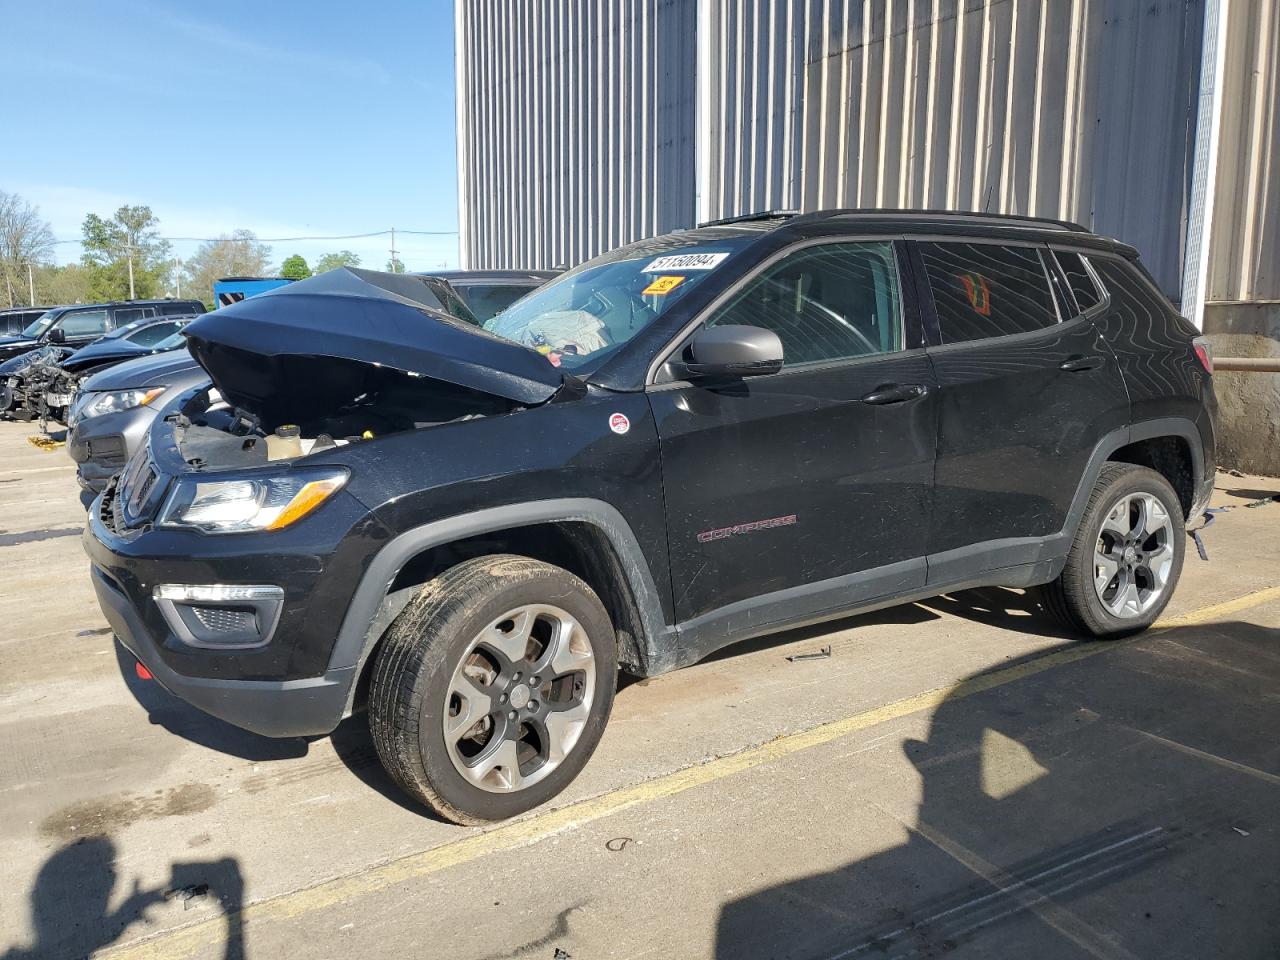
(185,941)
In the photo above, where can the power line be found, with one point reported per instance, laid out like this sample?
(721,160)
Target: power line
(345,236)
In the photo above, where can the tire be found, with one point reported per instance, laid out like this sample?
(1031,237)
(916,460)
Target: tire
(447,682)
(1111,611)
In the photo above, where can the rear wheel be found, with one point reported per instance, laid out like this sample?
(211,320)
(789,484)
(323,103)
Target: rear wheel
(1126,557)
(493,687)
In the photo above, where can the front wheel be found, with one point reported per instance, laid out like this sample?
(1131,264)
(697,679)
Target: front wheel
(1126,557)
(493,687)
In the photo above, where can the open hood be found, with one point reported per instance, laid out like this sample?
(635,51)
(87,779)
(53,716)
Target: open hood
(308,344)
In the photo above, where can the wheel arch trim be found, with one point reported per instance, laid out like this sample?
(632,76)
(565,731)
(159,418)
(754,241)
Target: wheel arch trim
(355,642)
(1180,427)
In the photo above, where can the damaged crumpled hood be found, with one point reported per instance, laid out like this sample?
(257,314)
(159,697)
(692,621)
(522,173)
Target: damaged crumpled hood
(258,351)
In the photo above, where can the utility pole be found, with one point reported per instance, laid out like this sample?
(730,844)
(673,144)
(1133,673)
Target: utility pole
(177,275)
(130,254)
(393,249)
(31,283)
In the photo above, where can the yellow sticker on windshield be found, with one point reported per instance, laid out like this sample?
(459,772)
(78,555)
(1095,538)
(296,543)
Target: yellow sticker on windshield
(663,285)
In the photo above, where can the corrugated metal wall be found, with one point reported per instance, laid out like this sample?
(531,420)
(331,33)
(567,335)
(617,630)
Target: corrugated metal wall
(1073,109)
(588,123)
(1244,252)
(575,126)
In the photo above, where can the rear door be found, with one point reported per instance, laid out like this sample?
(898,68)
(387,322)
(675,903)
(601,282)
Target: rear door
(809,489)
(1026,389)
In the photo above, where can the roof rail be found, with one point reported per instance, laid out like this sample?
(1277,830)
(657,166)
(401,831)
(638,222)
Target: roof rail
(748,217)
(907,211)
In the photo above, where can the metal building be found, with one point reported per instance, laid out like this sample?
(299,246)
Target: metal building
(583,124)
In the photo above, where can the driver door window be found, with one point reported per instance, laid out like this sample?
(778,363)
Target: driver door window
(837,301)
(87,323)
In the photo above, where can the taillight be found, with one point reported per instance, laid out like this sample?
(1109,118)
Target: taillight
(1204,353)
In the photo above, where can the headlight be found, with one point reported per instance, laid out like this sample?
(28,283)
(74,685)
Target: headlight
(98,404)
(261,503)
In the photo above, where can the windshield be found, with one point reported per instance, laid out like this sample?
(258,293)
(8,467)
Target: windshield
(487,300)
(40,324)
(581,317)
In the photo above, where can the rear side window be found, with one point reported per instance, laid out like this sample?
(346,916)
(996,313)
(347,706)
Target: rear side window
(86,323)
(152,334)
(178,309)
(984,290)
(1079,279)
(131,314)
(836,301)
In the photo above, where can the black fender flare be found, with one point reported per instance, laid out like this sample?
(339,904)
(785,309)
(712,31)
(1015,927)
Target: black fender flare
(356,637)
(1143,430)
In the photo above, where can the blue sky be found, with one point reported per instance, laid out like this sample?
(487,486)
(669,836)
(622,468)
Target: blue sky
(284,118)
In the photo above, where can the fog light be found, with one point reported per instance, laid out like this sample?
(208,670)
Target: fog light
(225,616)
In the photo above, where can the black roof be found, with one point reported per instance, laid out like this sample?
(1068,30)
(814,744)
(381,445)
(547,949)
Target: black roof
(125,303)
(34,309)
(939,217)
(972,222)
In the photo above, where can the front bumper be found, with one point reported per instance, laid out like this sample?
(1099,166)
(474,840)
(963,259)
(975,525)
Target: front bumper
(273,708)
(283,687)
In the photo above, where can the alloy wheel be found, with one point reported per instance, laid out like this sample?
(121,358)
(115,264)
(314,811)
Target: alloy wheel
(1133,556)
(519,698)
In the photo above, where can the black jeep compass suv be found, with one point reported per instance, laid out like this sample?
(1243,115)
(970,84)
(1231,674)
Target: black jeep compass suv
(694,439)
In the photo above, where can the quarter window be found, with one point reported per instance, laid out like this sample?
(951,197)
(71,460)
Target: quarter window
(1079,280)
(984,290)
(831,302)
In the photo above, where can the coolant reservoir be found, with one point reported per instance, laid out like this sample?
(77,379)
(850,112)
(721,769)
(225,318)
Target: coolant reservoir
(285,443)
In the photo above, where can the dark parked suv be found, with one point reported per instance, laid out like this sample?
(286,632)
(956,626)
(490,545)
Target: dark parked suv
(78,325)
(695,439)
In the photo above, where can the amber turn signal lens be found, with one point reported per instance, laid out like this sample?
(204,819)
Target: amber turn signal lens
(305,500)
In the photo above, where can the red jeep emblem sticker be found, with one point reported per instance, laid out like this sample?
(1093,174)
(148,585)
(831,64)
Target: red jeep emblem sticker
(619,423)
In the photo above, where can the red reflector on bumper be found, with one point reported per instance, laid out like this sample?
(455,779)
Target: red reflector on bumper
(142,672)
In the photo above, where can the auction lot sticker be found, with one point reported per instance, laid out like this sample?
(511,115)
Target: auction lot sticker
(662,286)
(619,423)
(680,262)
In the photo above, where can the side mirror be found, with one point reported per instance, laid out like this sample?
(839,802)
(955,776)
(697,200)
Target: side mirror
(734,350)
(57,335)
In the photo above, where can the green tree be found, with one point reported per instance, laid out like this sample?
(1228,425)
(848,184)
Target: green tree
(25,240)
(68,283)
(332,261)
(394,265)
(128,242)
(239,254)
(295,268)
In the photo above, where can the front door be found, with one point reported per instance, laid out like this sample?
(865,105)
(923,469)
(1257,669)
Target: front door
(809,490)
(84,326)
(1025,390)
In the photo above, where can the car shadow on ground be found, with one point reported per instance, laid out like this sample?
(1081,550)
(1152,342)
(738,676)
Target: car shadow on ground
(183,720)
(71,897)
(1118,805)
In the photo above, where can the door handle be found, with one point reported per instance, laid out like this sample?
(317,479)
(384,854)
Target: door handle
(1080,363)
(888,393)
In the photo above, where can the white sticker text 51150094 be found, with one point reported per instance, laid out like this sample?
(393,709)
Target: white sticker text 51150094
(680,262)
